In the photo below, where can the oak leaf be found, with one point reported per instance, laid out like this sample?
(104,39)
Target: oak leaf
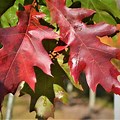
(22,50)
(87,53)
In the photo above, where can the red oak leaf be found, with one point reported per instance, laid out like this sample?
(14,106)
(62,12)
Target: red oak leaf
(87,53)
(22,50)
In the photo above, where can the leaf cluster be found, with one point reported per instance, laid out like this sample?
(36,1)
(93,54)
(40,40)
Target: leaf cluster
(49,42)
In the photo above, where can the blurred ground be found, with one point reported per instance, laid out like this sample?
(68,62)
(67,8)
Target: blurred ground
(76,110)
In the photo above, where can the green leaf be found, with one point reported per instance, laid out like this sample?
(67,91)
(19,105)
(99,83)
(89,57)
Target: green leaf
(9,18)
(60,94)
(44,85)
(5,4)
(44,108)
(45,10)
(106,10)
(68,3)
